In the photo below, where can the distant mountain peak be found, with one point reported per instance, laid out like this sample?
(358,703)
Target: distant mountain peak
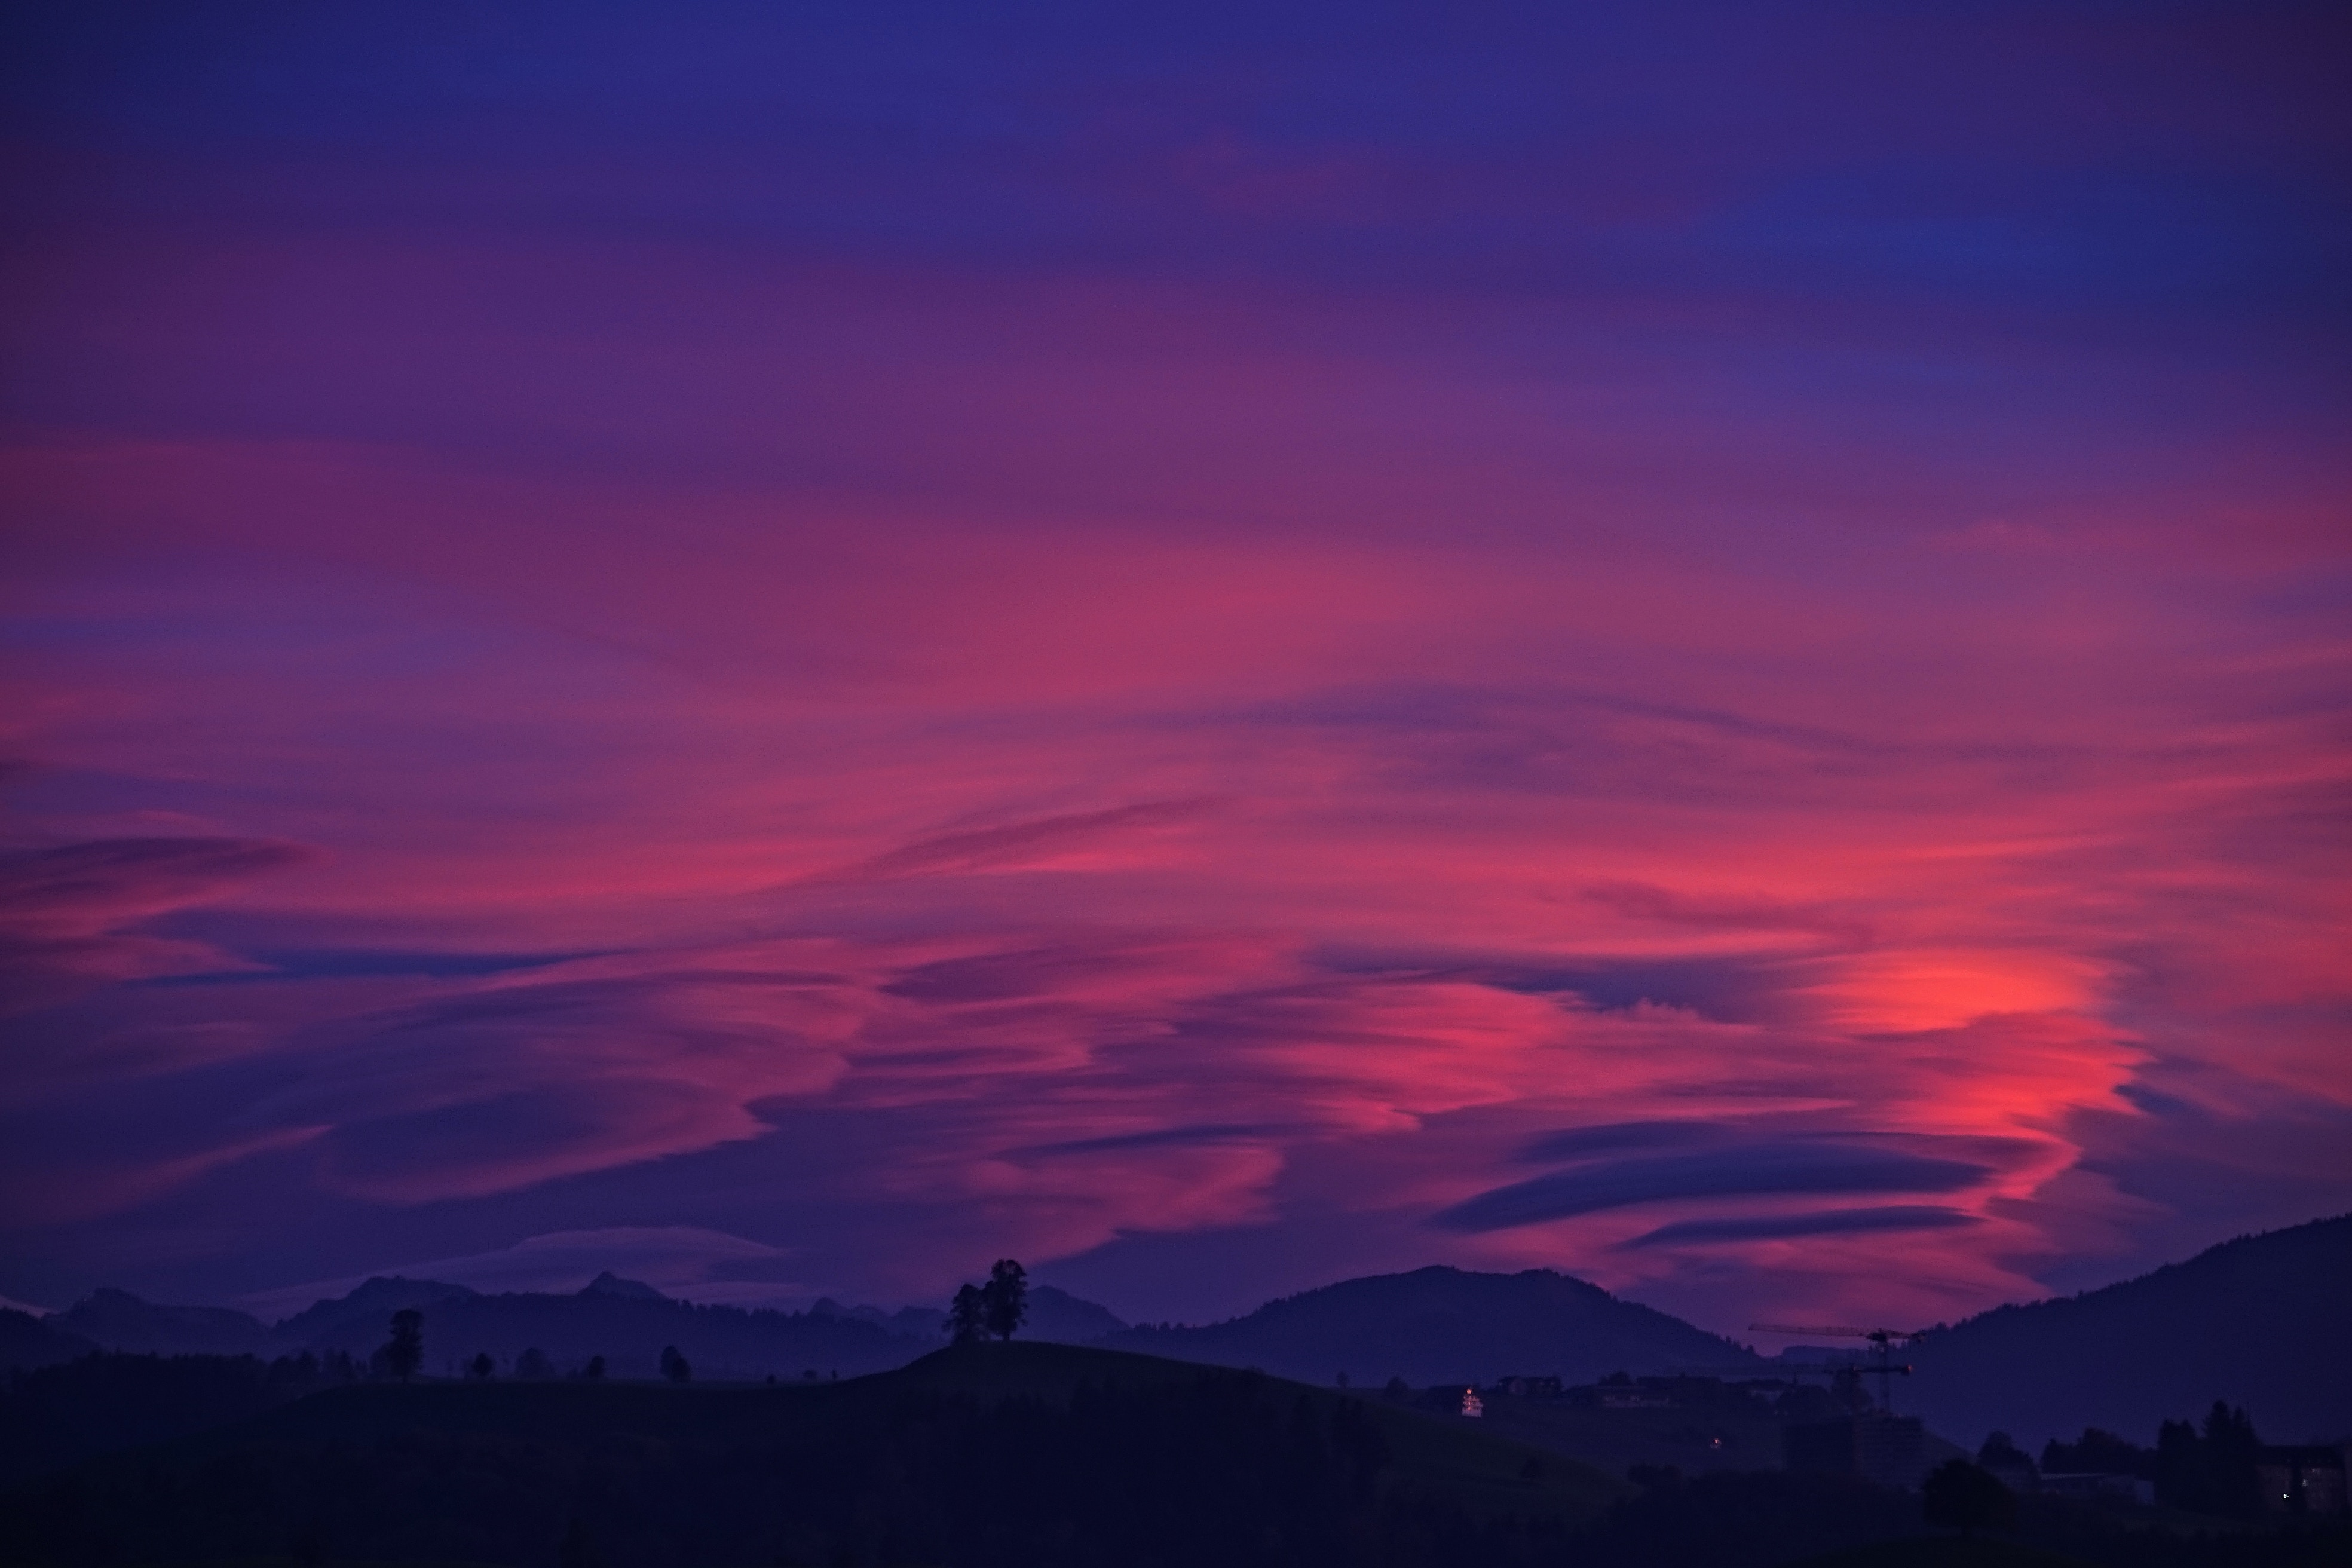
(371,1302)
(1442,1324)
(611,1284)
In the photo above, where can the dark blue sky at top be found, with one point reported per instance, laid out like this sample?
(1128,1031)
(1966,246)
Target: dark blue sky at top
(2017,154)
(1885,218)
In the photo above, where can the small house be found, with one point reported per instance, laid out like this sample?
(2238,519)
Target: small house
(2306,1479)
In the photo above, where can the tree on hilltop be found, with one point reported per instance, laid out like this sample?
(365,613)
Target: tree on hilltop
(1006,1297)
(967,1316)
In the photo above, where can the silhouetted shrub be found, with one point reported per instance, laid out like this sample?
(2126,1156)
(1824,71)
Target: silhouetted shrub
(1958,1495)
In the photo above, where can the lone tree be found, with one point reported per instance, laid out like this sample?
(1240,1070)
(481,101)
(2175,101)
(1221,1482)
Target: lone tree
(968,1315)
(480,1367)
(1967,1497)
(595,1369)
(674,1366)
(405,1351)
(1005,1298)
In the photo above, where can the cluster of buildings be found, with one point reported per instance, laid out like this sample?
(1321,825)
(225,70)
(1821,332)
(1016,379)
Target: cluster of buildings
(2299,1479)
(1893,1450)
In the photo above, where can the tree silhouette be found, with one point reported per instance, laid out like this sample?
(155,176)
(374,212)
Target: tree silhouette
(968,1315)
(405,1351)
(480,1367)
(1967,1497)
(2101,1453)
(2211,1474)
(595,1369)
(533,1362)
(1005,1298)
(673,1366)
(2000,1447)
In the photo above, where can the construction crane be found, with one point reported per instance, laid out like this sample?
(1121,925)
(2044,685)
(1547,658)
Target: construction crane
(1883,1342)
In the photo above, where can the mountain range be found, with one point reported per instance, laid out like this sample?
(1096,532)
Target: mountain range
(626,1322)
(2257,1322)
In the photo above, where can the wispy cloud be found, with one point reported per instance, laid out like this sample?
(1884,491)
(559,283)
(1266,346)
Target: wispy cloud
(1014,844)
(1807,1166)
(1049,655)
(1790,1226)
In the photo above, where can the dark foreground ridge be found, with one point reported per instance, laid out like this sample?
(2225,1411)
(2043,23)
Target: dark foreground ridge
(982,1454)
(986,1455)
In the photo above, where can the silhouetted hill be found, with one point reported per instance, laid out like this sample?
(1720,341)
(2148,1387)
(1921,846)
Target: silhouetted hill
(367,1309)
(120,1321)
(1447,1325)
(2259,1321)
(986,1454)
(1055,1315)
(611,1284)
(26,1340)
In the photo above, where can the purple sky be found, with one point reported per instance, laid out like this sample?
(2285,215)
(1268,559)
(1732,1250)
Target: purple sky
(787,649)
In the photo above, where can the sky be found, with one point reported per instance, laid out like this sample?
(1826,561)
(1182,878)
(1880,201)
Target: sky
(790,649)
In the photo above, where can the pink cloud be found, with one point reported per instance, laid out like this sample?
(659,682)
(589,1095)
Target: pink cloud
(1149,754)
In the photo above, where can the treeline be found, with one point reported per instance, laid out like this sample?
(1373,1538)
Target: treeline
(629,1331)
(2208,1469)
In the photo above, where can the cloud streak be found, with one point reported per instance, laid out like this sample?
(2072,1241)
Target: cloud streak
(1200,657)
(1831,1222)
(1806,1167)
